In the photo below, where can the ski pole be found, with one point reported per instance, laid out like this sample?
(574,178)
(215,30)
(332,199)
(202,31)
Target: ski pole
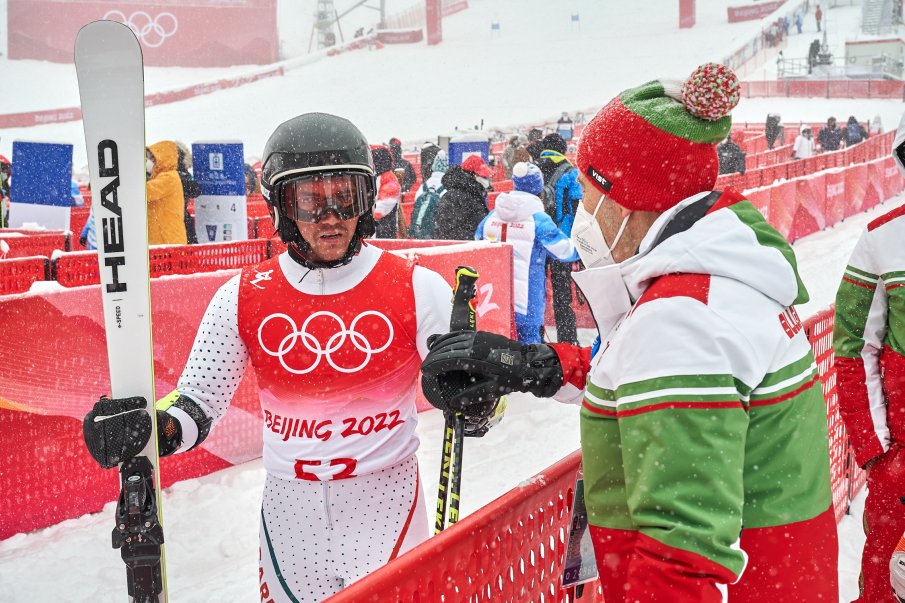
(445,463)
(456,467)
(461,319)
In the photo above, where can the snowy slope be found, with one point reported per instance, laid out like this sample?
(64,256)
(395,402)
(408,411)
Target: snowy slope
(537,67)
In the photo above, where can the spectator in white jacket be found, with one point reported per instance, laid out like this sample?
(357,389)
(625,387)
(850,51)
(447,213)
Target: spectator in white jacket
(804,144)
(518,218)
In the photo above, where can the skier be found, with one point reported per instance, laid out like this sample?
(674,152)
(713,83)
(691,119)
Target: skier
(334,330)
(703,427)
(518,218)
(869,343)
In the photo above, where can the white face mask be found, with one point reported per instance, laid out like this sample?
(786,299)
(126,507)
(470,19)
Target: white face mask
(589,240)
(485,182)
(149,166)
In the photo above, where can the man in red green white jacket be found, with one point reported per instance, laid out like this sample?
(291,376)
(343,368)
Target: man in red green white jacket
(703,423)
(869,342)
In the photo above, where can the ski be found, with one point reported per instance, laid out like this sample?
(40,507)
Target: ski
(109,66)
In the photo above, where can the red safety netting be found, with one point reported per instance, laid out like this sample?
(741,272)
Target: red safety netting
(81,268)
(17,275)
(887,89)
(847,478)
(512,549)
(55,368)
(26,243)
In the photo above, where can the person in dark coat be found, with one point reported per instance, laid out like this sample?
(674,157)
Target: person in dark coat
(190,189)
(409,177)
(428,152)
(731,156)
(830,136)
(461,209)
(535,144)
(854,132)
(773,129)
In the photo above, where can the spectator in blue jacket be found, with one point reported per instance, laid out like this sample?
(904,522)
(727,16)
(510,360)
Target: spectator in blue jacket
(562,194)
(518,218)
(88,238)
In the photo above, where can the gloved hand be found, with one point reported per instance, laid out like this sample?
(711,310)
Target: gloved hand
(467,371)
(125,430)
(83,241)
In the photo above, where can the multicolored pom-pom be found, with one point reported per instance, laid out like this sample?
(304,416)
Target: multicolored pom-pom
(711,91)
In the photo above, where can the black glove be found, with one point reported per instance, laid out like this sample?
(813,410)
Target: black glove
(126,431)
(83,241)
(467,371)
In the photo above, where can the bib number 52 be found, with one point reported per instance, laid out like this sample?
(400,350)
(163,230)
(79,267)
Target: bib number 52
(345,468)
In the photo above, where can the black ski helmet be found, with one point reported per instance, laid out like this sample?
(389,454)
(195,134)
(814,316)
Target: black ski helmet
(308,144)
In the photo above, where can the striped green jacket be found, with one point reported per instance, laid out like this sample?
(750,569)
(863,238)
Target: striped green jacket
(869,338)
(703,412)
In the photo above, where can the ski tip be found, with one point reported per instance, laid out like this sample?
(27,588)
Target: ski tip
(100,35)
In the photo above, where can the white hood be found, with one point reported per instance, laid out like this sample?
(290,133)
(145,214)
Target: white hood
(517,206)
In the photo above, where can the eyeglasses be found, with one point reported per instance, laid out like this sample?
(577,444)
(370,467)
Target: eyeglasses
(309,198)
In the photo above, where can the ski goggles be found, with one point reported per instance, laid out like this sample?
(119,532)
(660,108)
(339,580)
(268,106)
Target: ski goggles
(308,198)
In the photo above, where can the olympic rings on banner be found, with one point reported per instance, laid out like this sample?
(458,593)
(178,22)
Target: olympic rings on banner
(150,32)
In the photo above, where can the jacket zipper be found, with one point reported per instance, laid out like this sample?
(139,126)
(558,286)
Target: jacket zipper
(327,515)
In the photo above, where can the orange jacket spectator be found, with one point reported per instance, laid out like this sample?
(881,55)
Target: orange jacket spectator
(166,203)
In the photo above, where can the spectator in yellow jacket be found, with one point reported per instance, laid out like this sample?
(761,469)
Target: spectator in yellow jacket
(165,200)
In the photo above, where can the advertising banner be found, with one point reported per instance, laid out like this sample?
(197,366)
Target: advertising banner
(463,146)
(201,33)
(782,207)
(893,178)
(687,16)
(221,211)
(750,12)
(811,206)
(835,196)
(856,179)
(41,185)
(434,18)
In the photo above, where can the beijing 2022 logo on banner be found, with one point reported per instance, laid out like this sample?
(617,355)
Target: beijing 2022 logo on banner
(150,31)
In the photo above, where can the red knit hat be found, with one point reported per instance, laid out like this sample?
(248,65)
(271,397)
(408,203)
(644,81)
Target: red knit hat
(655,145)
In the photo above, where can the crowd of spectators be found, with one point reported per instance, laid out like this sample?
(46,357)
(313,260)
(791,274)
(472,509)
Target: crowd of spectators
(829,138)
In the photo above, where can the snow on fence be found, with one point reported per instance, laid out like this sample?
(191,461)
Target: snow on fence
(55,368)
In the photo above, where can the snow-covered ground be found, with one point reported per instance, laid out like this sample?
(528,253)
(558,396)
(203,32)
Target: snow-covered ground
(537,67)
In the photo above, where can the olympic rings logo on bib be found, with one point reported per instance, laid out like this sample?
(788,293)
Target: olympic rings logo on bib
(151,32)
(333,344)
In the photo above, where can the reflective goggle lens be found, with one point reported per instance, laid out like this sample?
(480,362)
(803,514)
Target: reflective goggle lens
(309,198)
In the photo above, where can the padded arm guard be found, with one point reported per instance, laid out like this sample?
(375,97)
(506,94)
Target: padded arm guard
(169,429)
